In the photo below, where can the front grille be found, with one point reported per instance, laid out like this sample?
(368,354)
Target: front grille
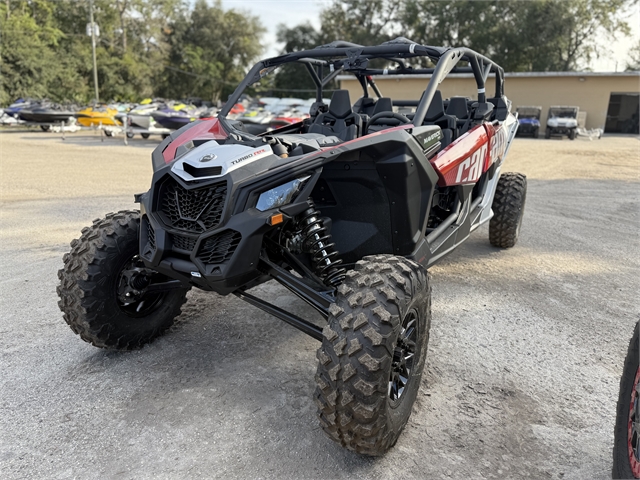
(147,238)
(183,243)
(192,210)
(151,236)
(220,247)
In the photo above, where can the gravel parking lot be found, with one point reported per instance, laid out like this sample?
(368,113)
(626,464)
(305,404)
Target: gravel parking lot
(523,366)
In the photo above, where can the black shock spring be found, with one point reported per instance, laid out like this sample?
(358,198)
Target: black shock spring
(323,252)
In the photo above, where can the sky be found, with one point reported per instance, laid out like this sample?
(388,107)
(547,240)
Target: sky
(271,13)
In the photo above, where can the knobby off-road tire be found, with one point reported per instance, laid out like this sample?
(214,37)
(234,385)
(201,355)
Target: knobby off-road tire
(376,308)
(536,133)
(572,134)
(547,133)
(508,209)
(89,284)
(624,437)
(145,135)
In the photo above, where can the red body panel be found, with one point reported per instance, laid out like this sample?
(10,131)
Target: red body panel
(465,160)
(210,129)
(498,136)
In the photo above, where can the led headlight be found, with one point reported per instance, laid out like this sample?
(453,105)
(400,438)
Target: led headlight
(280,195)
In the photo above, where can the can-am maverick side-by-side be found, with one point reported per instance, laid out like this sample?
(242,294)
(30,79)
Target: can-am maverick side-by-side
(347,209)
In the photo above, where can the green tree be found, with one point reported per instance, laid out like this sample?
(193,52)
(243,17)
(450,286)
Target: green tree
(30,65)
(365,22)
(533,35)
(45,51)
(209,50)
(633,63)
(291,79)
(536,35)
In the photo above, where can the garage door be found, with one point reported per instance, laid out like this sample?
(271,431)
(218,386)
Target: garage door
(622,115)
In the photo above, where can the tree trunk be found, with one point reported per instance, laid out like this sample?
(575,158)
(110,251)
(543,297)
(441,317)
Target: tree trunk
(124,32)
(122,10)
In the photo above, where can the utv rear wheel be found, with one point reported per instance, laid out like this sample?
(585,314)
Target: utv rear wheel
(103,283)
(626,437)
(373,353)
(508,209)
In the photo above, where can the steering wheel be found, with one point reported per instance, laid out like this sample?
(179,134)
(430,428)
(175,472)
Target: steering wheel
(398,116)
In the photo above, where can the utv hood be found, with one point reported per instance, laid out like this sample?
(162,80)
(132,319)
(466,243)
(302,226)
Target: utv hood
(211,160)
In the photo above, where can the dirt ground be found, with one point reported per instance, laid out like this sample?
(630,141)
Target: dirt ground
(523,366)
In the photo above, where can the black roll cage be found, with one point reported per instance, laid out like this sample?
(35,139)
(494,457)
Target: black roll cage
(340,56)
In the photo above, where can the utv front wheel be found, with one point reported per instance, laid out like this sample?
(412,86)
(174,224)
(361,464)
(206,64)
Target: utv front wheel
(508,209)
(373,353)
(103,284)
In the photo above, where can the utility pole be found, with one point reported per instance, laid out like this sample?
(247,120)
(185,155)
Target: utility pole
(93,50)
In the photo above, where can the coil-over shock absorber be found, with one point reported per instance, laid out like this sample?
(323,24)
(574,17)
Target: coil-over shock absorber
(317,240)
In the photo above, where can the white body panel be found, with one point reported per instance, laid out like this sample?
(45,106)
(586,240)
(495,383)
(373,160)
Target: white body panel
(211,154)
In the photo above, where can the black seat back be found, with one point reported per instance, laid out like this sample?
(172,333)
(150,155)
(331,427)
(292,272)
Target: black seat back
(365,105)
(340,120)
(340,106)
(501,110)
(435,116)
(458,108)
(436,108)
(383,104)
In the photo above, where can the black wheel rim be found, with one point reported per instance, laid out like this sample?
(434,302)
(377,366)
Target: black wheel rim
(404,358)
(141,304)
